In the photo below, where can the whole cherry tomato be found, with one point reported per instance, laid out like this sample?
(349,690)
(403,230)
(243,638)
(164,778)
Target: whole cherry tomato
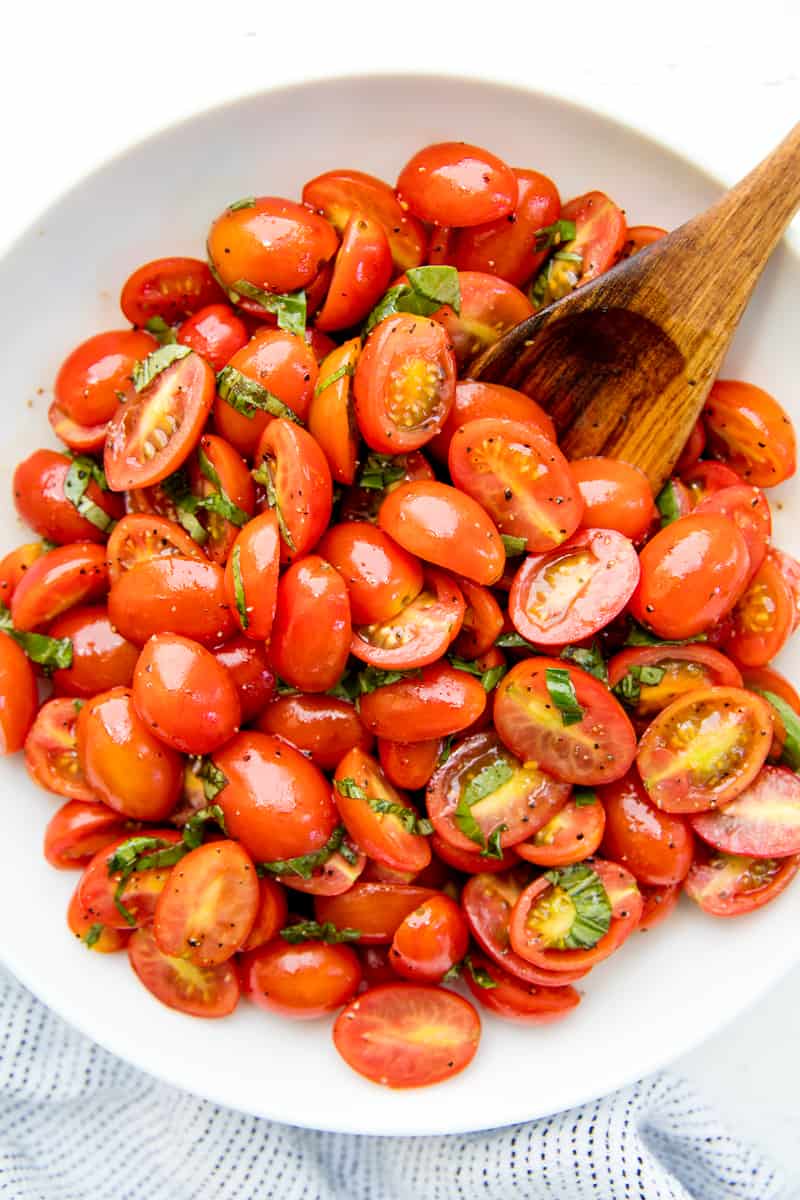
(302,981)
(437,701)
(215,332)
(18,695)
(337,195)
(323,727)
(51,751)
(41,499)
(272,244)
(749,431)
(90,378)
(101,657)
(185,695)
(508,247)
(454,183)
(60,579)
(615,496)
(430,941)
(171,595)
(475,400)
(656,847)
(311,635)
(298,485)
(381,577)
(251,575)
(248,665)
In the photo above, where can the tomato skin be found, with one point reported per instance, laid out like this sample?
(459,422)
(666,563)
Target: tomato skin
(312,631)
(80,923)
(749,508)
(255,554)
(483,621)
(331,421)
(323,727)
(726,885)
(656,847)
(171,595)
(303,981)
(659,902)
(78,831)
(38,489)
(198,991)
(170,288)
(707,477)
(506,247)
(489,308)
(420,633)
(409,765)
(404,384)
(60,579)
(454,183)
(185,695)
(51,751)
(19,698)
(101,657)
(750,432)
(442,525)
(97,887)
(571,835)
(693,572)
(138,537)
(276,802)
(524,1003)
(14,566)
(599,240)
(361,274)
(215,333)
(275,244)
(694,447)
(763,821)
(469,863)
(125,765)
(686,668)
(235,482)
(763,618)
(248,666)
(303,485)
(271,914)
(88,380)
(380,835)
(475,400)
(83,439)
(438,702)
(338,194)
(376,909)
(615,496)
(431,939)
(639,236)
(574,590)
(375,967)
(381,577)
(208,905)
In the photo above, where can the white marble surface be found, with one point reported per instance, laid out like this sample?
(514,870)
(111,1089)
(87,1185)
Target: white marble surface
(721,81)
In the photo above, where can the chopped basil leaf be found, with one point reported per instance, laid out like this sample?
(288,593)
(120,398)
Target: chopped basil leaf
(562,693)
(345,369)
(592,909)
(513,641)
(50,653)
(489,677)
(348,787)
(588,659)
(493,847)
(289,307)
(78,705)
(248,397)
(446,750)
(285,689)
(479,974)
(372,678)
(93,935)
(219,502)
(492,676)
(348,853)
(139,854)
(453,974)
(346,689)
(667,503)
(213,778)
(639,636)
(514,545)
(406,816)
(582,797)
(568,256)
(245,202)
(46,544)
(238,586)
(161,330)
(312,931)
(538,288)
(76,482)
(263,475)
(553,235)
(791,724)
(487,781)
(145,372)
(305,864)
(194,829)
(428,288)
(379,472)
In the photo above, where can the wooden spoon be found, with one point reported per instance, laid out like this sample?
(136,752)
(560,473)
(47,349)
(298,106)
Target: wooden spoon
(624,363)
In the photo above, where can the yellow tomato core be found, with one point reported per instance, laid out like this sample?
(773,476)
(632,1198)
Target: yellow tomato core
(413,395)
(552,918)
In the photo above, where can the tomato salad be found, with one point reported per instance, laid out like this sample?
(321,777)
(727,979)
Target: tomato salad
(366,701)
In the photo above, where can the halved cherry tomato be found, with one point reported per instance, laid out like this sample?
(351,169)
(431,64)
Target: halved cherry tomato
(678,670)
(215,332)
(704,749)
(469,863)
(790,569)
(18,696)
(381,577)
(419,634)
(693,572)
(276,802)
(695,445)
(659,902)
(600,231)
(156,429)
(728,885)
(454,183)
(251,575)
(507,247)
(78,830)
(615,496)
(51,748)
(101,657)
(359,503)
(208,905)
(337,195)
(218,471)
(437,701)
(14,566)
(185,695)
(655,846)
(489,307)
(409,765)
(336,875)
(574,590)
(748,507)
(171,595)
(302,981)
(639,236)
(312,632)
(368,805)
(431,940)
(482,624)
(762,822)
(170,288)
(597,748)
(707,477)
(252,676)
(273,244)
(83,439)
(510,998)
(90,378)
(763,618)
(300,488)
(97,890)
(475,400)
(361,273)
(404,385)
(139,537)
(178,983)
(271,914)
(331,419)
(574,833)
(767,679)
(323,727)
(42,503)
(442,248)
(376,910)
(94,935)
(444,526)
(749,431)
(375,966)
(60,579)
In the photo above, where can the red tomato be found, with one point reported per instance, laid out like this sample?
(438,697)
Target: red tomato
(375,966)
(574,833)
(436,702)
(97,890)
(407,1035)
(60,579)
(322,727)
(251,575)
(331,420)
(728,885)
(101,657)
(507,247)
(218,471)
(510,998)
(381,577)
(337,195)
(482,624)
(656,847)
(489,308)
(184,695)
(575,590)
(704,749)
(140,537)
(83,439)
(693,572)
(178,983)
(748,430)
(276,802)
(409,765)
(42,503)
(78,830)
(600,232)
(124,764)
(748,507)
(659,902)
(208,906)
(102,939)
(302,981)
(695,445)
(170,288)
(363,503)
(14,566)
(468,863)
(431,940)
(475,400)
(443,245)
(404,385)
(767,679)
(51,749)
(171,595)
(336,875)
(763,619)
(252,676)
(615,496)
(156,429)
(214,332)
(454,183)
(597,748)
(300,483)
(639,236)
(90,378)
(762,822)
(312,631)
(359,785)
(419,634)
(682,669)
(375,909)
(18,696)
(361,274)
(705,478)
(442,525)
(271,243)
(271,914)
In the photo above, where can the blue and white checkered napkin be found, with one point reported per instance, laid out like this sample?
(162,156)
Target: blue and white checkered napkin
(78,1124)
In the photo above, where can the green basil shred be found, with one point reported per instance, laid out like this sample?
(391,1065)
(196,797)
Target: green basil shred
(149,368)
(514,546)
(159,328)
(248,397)
(590,900)
(81,473)
(562,693)
(306,864)
(312,931)
(667,503)
(791,723)
(50,653)
(427,289)
(487,781)
(288,307)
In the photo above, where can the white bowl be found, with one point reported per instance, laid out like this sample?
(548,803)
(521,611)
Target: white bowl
(666,990)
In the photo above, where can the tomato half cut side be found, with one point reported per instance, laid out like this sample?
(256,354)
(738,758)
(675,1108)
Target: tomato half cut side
(572,834)
(600,230)
(51,752)
(420,633)
(728,885)
(379,818)
(170,288)
(179,983)
(648,678)
(98,887)
(139,537)
(762,822)
(77,831)
(489,307)
(407,1035)
(208,905)
(764,617)
(510,998)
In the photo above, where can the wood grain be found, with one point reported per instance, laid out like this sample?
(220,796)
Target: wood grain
(624,363)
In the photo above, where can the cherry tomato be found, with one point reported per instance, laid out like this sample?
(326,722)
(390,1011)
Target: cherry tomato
(419,634)
(254,680)
(693,572)
(600,231)
(178,983)
(322,727)
(300,486)
(155,430)
(507,247)
(678,670)
(404,384)
(615,496)
(251,575)
(360,785)
(767,679)
(475,400)
(276,802)
(750,432)
(271,914)
(748,507)
(510,998)
(337,195)
(364,503)
(19,699)
(575,590)
(171,595)
(214,332)
(14,566)
(597,748)
(375,909)
(728,885)
(655,846)
(438,701)
(51,750)
(83,439)
(271,243)
(336,875)
(208,905)
(101,657)
(639,236)
(138,895)
(574,833)
(381,577)
(312,632)
(695,445)
(704,749)
(469,863)
(90,378)
(303,981)
(442,525)
(659,902)
(409,765)
(140,537)
(431,940)
(93,935)
(375,966)
(489,307)
(483,621)
(763,618)
(60,579)
(454,183)
(331,420)
(43,504)
(707,477)
(361,274)
(762,822)
(170,288)
(218,471)
(78,830)
(185,695)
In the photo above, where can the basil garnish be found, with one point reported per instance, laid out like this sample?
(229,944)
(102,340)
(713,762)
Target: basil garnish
(667,503)
(428,288)
(639,636)
(289,307)
(263,475)
(489,676)
(582,797)
(161,330)
(791,724)
(487,781)
(248,397)
(562,693)
(592,908)
(379,472)
(93,935)
(238,587)
(245,202)
(345,369)
(76,482)
(550,236)
(514,546)
(50,653)
(312,931)
(149,368)
(629,687)
(589,659)
(305,864)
